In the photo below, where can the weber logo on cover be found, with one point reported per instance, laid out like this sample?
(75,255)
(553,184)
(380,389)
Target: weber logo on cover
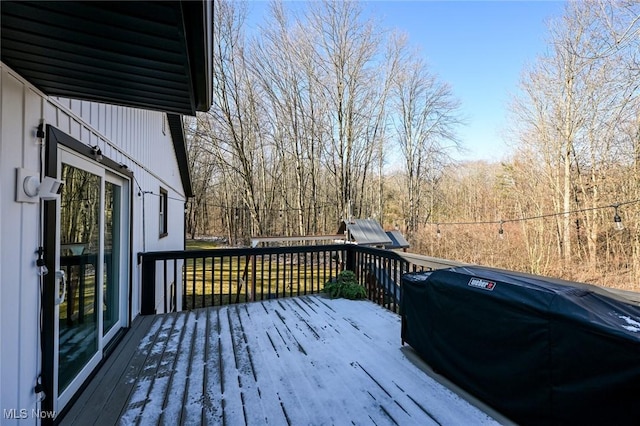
(483,284)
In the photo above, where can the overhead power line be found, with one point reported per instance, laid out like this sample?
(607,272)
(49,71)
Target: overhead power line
(541,216)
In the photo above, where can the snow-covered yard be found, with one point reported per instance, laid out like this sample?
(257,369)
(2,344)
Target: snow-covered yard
(303,360)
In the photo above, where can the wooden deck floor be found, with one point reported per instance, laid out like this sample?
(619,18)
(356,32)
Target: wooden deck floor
(304,360)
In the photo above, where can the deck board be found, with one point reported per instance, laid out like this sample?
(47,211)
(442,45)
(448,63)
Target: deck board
(100,396)
(303,360)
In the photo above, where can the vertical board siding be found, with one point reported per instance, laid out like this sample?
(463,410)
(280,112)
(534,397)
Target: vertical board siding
(102,116)
(50,114)
(85,111)
(128,136)
(137,133)
(108,128)
(12,97)
(21,111)
(64,122)
(2,202)
(75,129)
(30,241)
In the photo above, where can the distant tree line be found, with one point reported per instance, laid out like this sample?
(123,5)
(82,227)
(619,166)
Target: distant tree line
(310,108)
(306,111)
(575,133)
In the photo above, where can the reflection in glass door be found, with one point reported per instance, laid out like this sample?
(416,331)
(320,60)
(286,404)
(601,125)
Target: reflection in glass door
(93,250)
(79,253)
(112,237)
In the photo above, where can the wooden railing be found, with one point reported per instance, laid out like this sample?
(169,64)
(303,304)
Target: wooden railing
(202,278)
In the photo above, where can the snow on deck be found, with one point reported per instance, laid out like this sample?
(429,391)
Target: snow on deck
(303,360)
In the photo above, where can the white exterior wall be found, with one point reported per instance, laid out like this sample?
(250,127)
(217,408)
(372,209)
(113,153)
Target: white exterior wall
(129,136)
(144,145)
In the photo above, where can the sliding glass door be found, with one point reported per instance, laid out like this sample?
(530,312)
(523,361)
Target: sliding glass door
(93,246)
(80,245)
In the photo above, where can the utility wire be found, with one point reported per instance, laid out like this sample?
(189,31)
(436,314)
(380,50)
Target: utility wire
(287,209)
(542,216)
(438,223)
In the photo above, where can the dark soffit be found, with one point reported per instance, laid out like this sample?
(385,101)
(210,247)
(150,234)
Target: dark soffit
(150,55)
(180,148)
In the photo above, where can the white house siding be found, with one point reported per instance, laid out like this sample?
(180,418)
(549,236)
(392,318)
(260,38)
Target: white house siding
(19,282)
(1,229)
(146,148)
(129,136)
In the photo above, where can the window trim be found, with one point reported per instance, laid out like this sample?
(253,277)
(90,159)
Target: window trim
(162,213)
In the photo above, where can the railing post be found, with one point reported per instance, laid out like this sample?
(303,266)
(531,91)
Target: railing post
(253,296)
(351,259)
(148,295)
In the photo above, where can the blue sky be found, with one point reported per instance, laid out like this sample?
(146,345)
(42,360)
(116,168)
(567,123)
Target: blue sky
(479,48)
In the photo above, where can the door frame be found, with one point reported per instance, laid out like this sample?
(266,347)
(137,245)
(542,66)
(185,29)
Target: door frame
(54,139)
(66,156)
(123,273)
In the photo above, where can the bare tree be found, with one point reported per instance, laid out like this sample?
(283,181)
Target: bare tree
(281,65)
(345,49)
(426,119)
(569,121)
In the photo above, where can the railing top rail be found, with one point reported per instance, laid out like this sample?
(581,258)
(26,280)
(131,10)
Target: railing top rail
(257,251)
(257,240)
(412,258)
(430,262)
(244,251)
(378,252)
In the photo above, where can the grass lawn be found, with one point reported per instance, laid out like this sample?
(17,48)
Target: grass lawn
(216,280)
(201,245)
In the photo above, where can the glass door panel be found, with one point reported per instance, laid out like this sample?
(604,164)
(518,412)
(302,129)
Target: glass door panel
(80,221)
(92,249)
(112,243)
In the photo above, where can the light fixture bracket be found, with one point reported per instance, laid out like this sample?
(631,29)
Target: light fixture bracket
(25,186)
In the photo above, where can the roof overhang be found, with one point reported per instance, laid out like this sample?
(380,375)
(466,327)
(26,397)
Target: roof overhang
(150,55)
(180,148)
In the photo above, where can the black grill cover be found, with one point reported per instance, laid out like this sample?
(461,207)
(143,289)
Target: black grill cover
(539,350)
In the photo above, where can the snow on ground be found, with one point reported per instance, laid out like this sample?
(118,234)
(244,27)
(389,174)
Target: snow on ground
(303,360)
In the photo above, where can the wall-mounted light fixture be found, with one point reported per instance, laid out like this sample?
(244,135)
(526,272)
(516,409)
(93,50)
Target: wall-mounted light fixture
(97,153)
(29,188)
(40,130)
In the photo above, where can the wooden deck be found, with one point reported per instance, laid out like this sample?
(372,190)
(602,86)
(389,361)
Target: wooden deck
(303,360)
